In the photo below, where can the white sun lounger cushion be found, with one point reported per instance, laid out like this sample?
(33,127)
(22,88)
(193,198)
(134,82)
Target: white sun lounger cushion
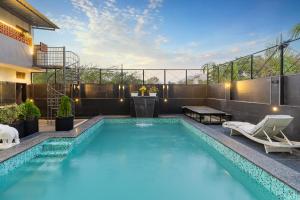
(272,124)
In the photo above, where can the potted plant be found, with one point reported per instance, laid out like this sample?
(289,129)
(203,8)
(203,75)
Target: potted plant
(153,91)
(65,119)
(134,93)
(143,89)
(9,115)
(30,113)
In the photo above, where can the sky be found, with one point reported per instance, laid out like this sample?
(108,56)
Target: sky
(165,33)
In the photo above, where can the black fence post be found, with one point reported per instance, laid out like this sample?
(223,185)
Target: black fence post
(100,76)
(164,76)
(122,79)
(143,76)
(251,67)
(186,79)
(207,75)
(281,86)
(231,71)
(218,68)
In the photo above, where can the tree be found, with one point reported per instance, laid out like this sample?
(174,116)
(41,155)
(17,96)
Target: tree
(296,31)
(152,80)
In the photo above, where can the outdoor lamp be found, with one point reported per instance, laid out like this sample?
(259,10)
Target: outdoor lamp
(275,109)
(227,85)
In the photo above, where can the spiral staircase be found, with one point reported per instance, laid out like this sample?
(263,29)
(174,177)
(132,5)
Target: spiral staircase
(62,72)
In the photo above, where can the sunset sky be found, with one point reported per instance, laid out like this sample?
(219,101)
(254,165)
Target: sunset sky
(165,33)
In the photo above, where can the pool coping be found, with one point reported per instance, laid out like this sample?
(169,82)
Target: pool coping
(285,174)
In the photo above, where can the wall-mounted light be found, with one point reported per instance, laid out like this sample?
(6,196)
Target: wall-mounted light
(123,87)
(163,86)
(119,87)
(165,100)
(167,87)
(227,85)
(275,109)
(76,100)
(121,100)
(31,50)
(76,87)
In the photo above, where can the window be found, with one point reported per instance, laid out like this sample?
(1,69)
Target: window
(20,75)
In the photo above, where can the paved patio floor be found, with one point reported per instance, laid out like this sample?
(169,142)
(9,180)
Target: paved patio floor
(49,125)
(290,160)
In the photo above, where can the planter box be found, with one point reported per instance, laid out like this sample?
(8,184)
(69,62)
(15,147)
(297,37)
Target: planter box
(19,125)
(152,94)
(31,126)
(64,124)
(134,94)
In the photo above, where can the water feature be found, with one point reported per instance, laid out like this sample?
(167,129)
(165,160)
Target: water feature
(144,106)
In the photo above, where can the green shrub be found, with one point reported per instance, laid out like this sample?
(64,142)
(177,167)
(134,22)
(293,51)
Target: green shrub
(29,111)
(9,114)
(153,89)
(65,108)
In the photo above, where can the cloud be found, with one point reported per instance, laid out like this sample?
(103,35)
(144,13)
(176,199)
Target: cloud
(110,35)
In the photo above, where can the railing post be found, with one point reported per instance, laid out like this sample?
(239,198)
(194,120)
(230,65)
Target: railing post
(281,86)
(218,68)
(207,75)
(122,79)
(164,76)
(100,76)
(231,71)
(64,66)
(186,79)
(55,76)
(143,76)
(251,67)
(281,48)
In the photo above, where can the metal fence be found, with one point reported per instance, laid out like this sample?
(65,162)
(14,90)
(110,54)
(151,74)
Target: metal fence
(132,76)
(281,59)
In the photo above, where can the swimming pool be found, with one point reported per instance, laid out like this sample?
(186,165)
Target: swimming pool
(126,159)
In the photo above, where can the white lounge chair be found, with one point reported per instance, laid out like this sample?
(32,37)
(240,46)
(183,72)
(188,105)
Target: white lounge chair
(9,137)
(268,132)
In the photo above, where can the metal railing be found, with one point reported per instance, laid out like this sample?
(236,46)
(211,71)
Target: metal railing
(134,76)
(280,59)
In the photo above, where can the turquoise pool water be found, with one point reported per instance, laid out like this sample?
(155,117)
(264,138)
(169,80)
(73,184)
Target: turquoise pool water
(165,161)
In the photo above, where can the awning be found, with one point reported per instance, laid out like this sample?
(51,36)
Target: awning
(24,11)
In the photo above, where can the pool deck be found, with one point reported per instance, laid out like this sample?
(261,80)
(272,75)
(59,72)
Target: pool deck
(281,165)
(49,125)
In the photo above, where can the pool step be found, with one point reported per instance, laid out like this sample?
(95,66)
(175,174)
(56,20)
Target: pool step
(50,158)
(56,153)
(57,145)
(43,159)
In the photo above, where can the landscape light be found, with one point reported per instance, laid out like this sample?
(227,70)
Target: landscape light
(165,100)
(275,109)
(31,50)
(76,100)
(31,100)
(121,100)
(227,85)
